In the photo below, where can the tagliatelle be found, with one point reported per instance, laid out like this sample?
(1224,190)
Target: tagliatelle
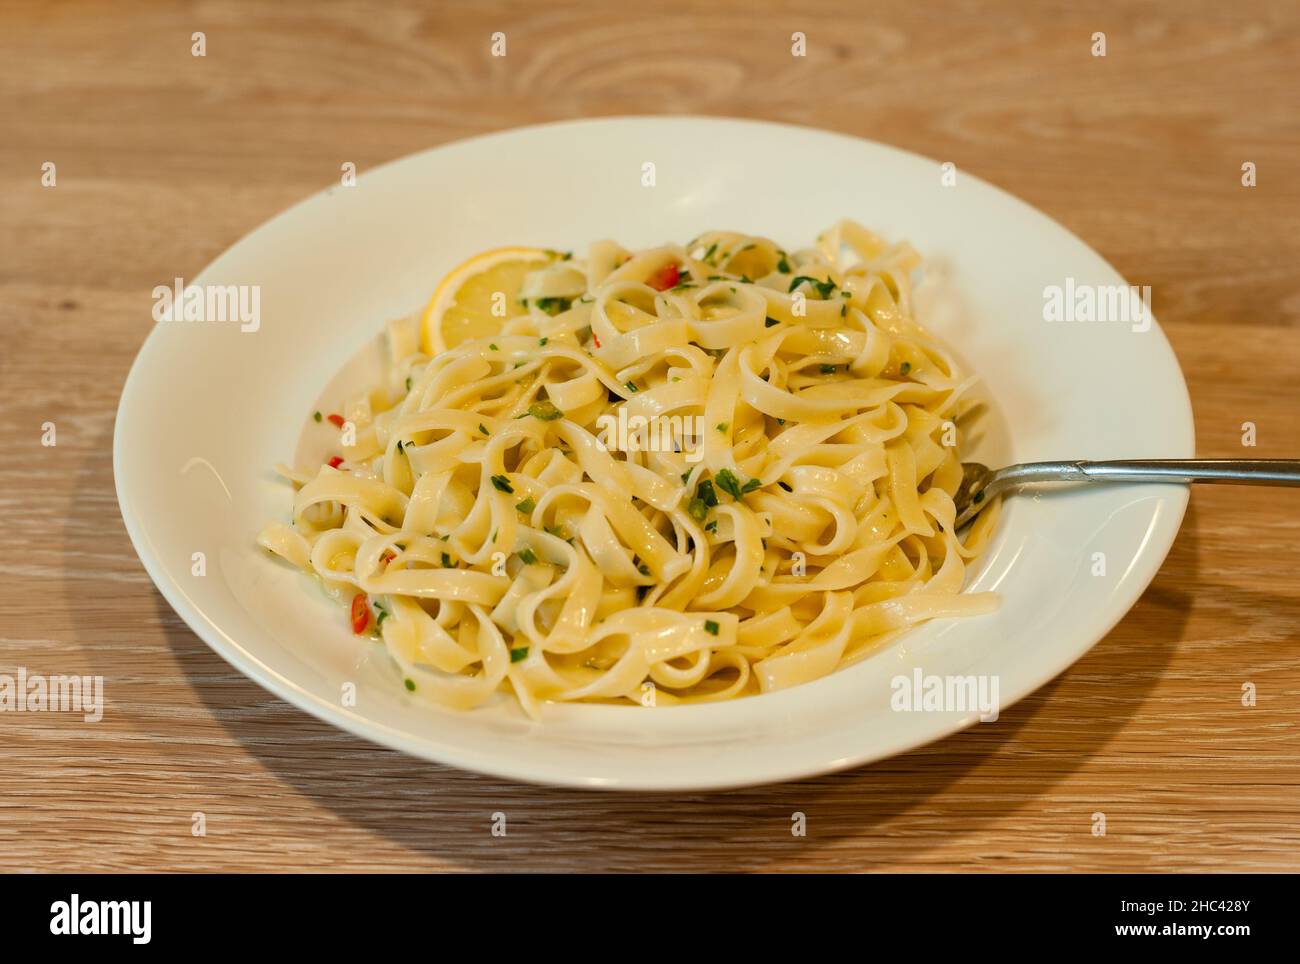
(672,475)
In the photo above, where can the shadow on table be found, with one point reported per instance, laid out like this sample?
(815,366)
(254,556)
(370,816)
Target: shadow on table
(446,813)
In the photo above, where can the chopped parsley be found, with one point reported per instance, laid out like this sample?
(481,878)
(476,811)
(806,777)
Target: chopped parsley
(527,555)
(711,627)
(493,346)
(545,410)
(728,483)
(631,387)
(316,416)
(824,288)
(828,369)
(527,506)
(518,655)
(722,426)
(410,684)
(446,562)
(483,428)
(904,368)
(697,509)
(553,306)
(704,492)
(502,483)
(783,265)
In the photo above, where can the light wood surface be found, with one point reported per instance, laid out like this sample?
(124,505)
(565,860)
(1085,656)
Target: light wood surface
(164,159)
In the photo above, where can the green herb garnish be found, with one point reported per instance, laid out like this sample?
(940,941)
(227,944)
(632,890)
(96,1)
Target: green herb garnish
(502,483)
(824,288)
(553,306)
(711,627)
(518,655)
(728,483)
(545,410)
(527,555)
(527,506)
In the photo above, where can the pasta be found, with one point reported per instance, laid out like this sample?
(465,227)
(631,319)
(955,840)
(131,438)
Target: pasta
(665,476)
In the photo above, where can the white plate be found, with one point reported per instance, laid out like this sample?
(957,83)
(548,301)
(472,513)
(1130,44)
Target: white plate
(208,409)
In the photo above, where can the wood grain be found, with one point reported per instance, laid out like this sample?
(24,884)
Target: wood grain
(165,159)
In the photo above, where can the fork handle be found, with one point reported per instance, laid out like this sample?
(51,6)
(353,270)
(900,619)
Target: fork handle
(1231,471)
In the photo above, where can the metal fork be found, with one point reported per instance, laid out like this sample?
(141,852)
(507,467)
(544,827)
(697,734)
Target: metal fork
(980,484)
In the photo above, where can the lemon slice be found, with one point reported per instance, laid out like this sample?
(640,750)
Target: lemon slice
(461,306)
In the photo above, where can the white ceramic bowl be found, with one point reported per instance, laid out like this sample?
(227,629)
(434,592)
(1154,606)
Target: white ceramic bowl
(208,409)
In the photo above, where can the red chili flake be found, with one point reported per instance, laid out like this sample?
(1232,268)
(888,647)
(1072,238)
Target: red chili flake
(388,556)
(335,462)
(360,613)
(665,278)
(595,339)
(336,420)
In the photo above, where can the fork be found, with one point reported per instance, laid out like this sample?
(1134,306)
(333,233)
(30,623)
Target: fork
(979,483)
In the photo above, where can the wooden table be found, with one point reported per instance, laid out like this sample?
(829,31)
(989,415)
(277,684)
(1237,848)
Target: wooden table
(163,159)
